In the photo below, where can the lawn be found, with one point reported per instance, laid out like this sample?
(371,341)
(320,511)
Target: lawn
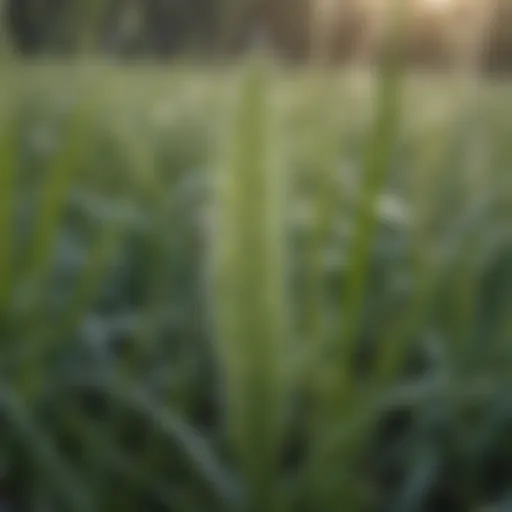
(254,289)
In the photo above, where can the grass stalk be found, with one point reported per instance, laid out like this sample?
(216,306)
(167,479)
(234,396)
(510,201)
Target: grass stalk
(250,290)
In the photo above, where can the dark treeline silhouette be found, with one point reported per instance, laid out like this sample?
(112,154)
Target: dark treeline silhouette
(160,27)
(169,27)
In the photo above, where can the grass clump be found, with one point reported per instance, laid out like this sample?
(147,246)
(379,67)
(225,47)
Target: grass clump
(260,291)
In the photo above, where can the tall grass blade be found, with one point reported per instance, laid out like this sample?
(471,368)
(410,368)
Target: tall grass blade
(8,159)
(432,163)
(56,191)
(325,192)
(338,398)
(378,159)
(57,186)
(250,290)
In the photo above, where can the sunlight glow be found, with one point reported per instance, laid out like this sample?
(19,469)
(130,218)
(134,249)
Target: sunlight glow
(439,4)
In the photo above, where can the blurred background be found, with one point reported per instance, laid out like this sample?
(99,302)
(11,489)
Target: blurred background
(207,28)
(255,255)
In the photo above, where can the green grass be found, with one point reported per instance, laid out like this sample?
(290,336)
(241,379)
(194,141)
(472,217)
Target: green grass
(253,289)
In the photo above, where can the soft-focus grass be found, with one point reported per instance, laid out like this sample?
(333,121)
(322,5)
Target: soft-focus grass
(253,289)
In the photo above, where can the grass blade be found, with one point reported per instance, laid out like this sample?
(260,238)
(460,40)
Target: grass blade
(250,295)
(8,158)
(57,187)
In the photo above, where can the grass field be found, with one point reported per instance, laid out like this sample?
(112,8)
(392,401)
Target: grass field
(254,289)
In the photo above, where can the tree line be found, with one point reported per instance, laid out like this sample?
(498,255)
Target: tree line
(164,28)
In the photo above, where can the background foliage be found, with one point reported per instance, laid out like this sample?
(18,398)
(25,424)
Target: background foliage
(168,27)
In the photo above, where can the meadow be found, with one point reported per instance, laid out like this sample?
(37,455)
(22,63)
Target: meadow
(254,289)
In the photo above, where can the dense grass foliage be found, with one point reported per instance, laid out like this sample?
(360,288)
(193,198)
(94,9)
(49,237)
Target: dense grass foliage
(254,290)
